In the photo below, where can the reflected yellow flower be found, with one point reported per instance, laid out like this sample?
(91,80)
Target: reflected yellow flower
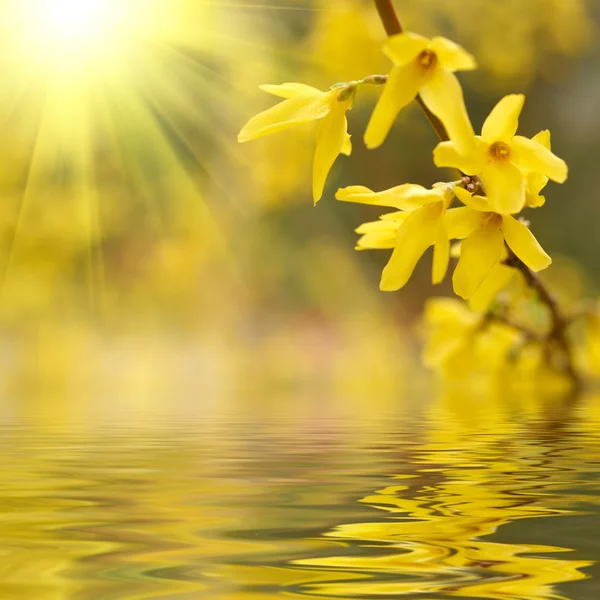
(501,158)
(304,104)
(425,67)
(433,533)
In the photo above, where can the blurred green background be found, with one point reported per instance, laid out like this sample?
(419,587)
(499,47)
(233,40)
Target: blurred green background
(142,248)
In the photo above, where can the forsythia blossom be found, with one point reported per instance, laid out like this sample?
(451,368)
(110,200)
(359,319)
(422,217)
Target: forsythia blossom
(303,104)
(461,341)
(420,226)
(486,233)
(502,159)
(424,67)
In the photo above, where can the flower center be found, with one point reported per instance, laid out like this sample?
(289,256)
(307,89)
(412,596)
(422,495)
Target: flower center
(427,59)
(500,150)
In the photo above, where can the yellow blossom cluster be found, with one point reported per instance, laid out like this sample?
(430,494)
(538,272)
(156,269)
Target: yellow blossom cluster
(499,174)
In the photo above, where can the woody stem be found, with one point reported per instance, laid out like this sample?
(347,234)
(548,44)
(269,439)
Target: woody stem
(557,335)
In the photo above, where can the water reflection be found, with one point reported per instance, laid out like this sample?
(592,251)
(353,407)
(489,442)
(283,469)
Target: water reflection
(461,484)
(459,497)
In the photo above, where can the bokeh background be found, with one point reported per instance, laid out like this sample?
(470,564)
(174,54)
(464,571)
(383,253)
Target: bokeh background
(145,253)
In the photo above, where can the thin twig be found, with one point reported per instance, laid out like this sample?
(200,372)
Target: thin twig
(528,334)
(558,332)
(560,322)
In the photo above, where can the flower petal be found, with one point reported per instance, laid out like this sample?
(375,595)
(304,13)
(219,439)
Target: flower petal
(523,243)
(404,197)
(378,235)
(452,56)
(404,47)
(443,96)
(505,186)
(290,90)
(503,121)
(446,154)
(288,113)
(480,252)
(399,215)
(475,202)
(331,137)
(444,311)
(380,225)
(499,278)
(441,255)
(347,145)
(418,232)
(462,221)
(401,88)
(533,156)
(543,138)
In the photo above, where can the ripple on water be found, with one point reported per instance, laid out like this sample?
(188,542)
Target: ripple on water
(441,506)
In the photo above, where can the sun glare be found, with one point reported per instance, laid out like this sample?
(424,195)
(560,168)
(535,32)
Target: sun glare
(64,33)
(72,19)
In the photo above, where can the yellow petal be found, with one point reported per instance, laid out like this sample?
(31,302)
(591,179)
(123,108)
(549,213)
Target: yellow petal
(288,113)
(347,145)
(504,184)
(535,183)
(404,197)
(462,221)
(444,311)
(441,255)
(394,216)
(331,137)
(498,279)
(290,90)
(443,96)
(401,88)
(543,138)
(532,156)
(418,232)
(376,237)
(473,201)
(480,252)
(440,347)
(452,56)
(346,193)
(503,121)
(404,47)
(523,243)
(446,154)
(380,225)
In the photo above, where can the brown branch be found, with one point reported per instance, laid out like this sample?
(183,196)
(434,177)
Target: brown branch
(558,334)
(528,334)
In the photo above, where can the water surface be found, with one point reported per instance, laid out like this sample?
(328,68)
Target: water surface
(457,496)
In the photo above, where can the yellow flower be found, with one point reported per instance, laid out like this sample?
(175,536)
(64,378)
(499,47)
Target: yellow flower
(462,342)
(486,232)
(424,67)
(502,159)
(409,233)
(499,278)
(303,104)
